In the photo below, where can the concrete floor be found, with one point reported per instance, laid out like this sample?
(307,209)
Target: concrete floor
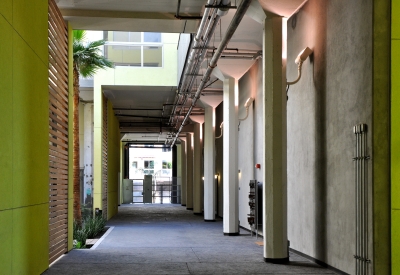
(168,239)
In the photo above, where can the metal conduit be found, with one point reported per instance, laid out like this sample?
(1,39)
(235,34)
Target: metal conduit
(197,38)
(237,18)
(197,52)
(361,189)
(208,34)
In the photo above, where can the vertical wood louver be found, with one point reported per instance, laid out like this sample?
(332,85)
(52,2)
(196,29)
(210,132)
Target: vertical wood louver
(105,157)
(58,133)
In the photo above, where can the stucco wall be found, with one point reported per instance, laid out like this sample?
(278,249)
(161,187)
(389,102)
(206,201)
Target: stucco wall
(333,95)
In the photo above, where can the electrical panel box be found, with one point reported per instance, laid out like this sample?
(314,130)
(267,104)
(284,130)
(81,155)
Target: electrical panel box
(127,191)
(147,188)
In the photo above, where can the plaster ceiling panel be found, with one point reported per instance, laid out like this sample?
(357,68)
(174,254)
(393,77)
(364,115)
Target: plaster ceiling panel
(212,101)
(197,119)
(283,8)
(145,103)
(187,6)
(131,24)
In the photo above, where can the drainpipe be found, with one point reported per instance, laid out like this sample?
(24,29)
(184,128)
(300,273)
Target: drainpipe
(213,63)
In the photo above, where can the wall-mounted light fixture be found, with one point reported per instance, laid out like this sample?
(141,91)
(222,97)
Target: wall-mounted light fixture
(247,105)
(216,176)
(221,126)
(299,61)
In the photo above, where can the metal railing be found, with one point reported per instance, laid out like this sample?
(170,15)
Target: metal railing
(165,190)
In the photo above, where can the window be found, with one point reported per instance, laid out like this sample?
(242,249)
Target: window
(136,49)
(149,164)
(134,164)
(166,164)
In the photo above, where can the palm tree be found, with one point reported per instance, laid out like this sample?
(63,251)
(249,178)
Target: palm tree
(87,61)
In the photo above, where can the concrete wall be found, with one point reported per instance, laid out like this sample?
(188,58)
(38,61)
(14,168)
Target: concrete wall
(183,47)
(24,170)
(250,142)
(333,95)
(395,142)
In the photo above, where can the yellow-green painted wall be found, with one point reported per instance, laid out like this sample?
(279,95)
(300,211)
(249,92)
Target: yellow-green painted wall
(113,153)
(137,76)
(24,172)
(395,141)
(98,147)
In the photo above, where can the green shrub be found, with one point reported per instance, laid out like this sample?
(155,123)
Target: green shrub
(94,226)
(87,211)
(79,234)
(89,229)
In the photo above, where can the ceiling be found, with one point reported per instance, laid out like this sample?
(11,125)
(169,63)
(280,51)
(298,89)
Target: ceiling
(149,104)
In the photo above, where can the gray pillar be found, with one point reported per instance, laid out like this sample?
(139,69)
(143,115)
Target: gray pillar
(197,177)
(209,165)
(183,181)
(230,178)
(275,186)
(189,172)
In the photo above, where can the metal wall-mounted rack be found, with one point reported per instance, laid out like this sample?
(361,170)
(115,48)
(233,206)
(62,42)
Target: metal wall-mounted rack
(254,215)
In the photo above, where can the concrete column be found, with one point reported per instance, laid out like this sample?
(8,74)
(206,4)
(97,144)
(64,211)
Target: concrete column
(230,177)
(197,176)
(209,165)
(183,182)
(189,172)
(275,185)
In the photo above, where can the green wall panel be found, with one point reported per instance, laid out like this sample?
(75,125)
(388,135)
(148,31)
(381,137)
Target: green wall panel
(30,239)
(395,137)
(30,20)
(395,242)
(113,161)
(6,119)
(30,126)
(395,142)
(5,241)
(396,19)
(6,9)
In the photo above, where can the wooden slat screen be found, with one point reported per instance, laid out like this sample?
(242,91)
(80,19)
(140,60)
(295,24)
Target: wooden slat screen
(58,133)
(105,157)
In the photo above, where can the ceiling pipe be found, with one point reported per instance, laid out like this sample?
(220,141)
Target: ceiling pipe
(197,38)
(137,109)
(198,50)
(201,54)
(156,117)
(237,18)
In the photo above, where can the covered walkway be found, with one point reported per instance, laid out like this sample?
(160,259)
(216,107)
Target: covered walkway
(168,239)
